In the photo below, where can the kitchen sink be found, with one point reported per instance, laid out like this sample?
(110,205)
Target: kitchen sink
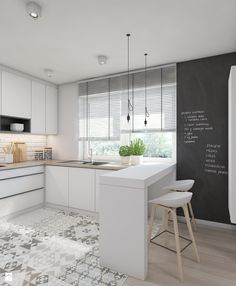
(99,163)
(75,162)
(80,162)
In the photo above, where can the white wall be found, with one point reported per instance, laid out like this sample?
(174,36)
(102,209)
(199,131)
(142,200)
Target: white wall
(65,144)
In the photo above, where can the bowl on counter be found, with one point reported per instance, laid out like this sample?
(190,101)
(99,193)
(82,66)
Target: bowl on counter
(17,127)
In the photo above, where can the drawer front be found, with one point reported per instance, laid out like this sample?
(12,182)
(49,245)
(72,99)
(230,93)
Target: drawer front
(21,202)
(19,185)
(21,172)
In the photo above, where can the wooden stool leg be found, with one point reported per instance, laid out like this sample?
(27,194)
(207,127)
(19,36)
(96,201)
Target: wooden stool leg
(178,250)
(186,214)
(151,223)
(192,216)
(165,221)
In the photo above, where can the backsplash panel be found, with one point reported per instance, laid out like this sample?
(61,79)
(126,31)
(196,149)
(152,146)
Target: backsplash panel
(33,142)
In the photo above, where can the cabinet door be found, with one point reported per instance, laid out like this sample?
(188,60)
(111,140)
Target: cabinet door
(98,174)
(38,120)
(16,95)
(57,185)
(51,110)
(82,189)
(0,92)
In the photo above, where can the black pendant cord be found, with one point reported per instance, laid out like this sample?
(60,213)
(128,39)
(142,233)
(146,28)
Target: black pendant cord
(129,104)
(133,102)
(109,109)
(161,98)
(146,113)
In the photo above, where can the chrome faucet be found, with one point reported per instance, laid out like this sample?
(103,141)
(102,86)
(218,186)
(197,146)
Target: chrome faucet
(90,156)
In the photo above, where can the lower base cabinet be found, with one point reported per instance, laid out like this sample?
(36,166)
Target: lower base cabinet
(77,188)
(21,189)
(82,189)
(21,202)
(56,183)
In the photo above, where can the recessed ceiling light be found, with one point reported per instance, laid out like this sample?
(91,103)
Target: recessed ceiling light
(102,60)
(33,10)
(49,72)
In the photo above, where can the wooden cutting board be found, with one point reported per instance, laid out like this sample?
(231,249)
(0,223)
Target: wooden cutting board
(19,153)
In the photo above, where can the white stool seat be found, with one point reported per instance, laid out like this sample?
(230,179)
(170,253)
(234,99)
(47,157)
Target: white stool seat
(180,185)
(173,199)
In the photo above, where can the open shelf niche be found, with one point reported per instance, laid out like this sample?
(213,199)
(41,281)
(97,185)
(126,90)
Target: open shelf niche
(5,122)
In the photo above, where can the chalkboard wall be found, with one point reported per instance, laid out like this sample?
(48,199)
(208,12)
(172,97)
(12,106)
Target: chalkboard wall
(202,133)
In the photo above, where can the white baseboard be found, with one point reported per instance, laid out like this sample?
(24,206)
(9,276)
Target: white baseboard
(16,214)
(67,209)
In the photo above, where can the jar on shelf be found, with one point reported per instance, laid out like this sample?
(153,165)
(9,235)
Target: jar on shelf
(47,153)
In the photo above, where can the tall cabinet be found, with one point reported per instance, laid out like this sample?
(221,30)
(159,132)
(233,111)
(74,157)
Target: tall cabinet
(16,95)
(232,144)
(51,110)
(44,109)
(38,120)
(29,101)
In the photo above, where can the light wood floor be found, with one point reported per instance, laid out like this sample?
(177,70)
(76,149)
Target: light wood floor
(217,250)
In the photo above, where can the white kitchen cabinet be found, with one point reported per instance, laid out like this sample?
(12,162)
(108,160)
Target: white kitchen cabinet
(51,110)
(82,188)
(57,185)
(98,174)
(17,185)
(21,202)
(16,95)
(232,143)
(38,119)
(0,92)
(20,189)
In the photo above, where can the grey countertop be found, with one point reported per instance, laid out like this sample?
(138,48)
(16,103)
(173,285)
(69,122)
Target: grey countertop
(110,166)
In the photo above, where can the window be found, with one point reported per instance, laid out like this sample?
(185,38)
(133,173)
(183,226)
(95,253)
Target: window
(103,110)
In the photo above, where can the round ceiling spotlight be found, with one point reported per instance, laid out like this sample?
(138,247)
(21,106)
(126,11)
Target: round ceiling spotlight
(102,60)
(49,72)
(33,10)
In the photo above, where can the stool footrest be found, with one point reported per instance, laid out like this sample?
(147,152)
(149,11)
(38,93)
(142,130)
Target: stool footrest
(189,241)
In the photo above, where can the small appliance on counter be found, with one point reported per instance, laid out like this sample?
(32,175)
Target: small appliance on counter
(17,127)
(19,152)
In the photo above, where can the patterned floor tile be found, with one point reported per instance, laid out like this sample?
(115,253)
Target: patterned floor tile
(49,247)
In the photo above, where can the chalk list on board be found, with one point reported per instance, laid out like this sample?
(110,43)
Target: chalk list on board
(212,163)
(195,122)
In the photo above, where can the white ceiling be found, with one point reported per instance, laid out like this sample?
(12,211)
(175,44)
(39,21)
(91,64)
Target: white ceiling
(71,33)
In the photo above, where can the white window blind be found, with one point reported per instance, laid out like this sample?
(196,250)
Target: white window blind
(103,105)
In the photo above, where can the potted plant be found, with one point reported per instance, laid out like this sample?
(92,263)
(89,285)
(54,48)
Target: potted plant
(137,147)
(124,153)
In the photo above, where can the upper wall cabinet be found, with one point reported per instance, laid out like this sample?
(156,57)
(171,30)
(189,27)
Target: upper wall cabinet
(16,95)
(38,119)
(51,110)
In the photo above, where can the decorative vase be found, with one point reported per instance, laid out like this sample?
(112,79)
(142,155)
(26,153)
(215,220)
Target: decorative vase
(125,160)
(137,159)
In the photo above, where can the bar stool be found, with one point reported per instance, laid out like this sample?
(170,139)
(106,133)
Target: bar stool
(170,202)
(184,186)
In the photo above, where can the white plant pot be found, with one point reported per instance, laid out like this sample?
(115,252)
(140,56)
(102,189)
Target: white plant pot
(125,160)
(137,160)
